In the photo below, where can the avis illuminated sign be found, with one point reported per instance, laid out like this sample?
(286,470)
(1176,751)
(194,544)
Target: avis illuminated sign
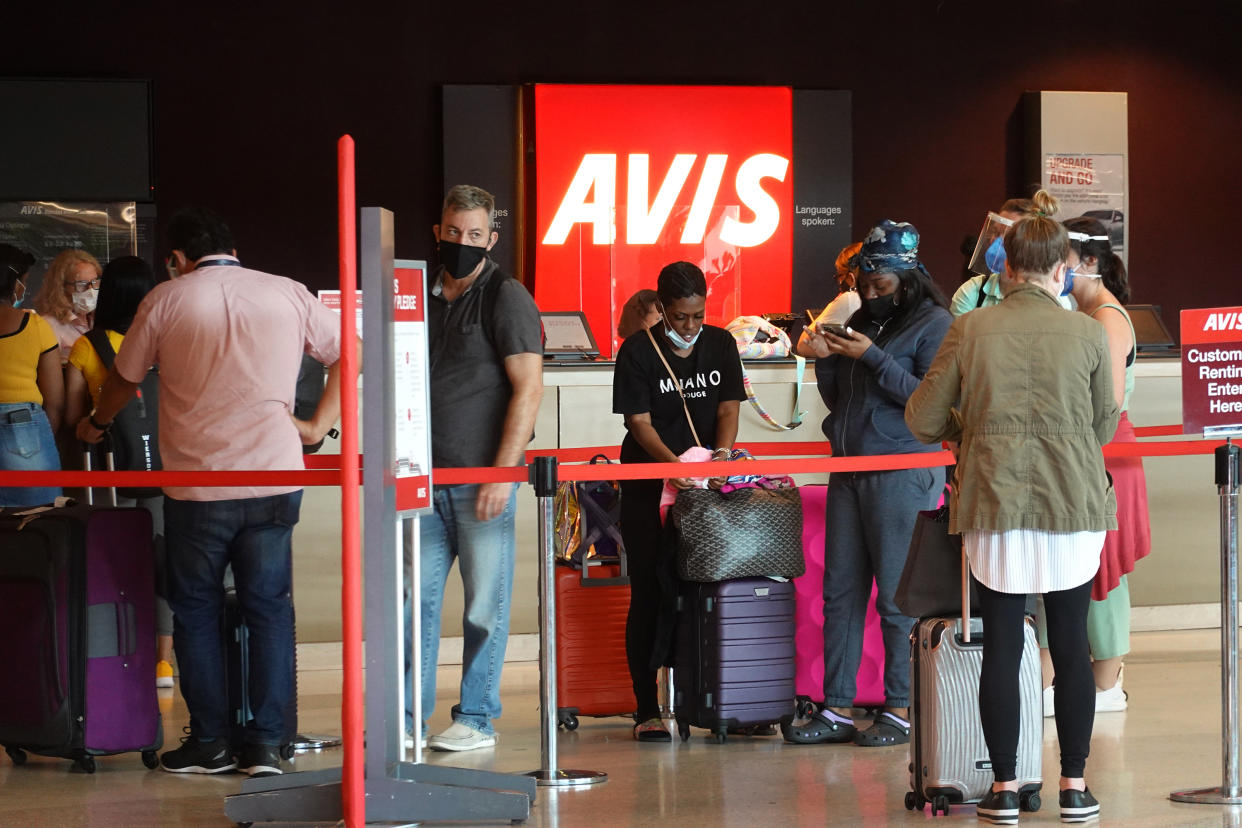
(592,199)
(631,178)
(1212,371)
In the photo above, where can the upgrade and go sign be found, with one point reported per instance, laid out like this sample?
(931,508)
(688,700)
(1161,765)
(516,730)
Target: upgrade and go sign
(631,178)
(1212,371)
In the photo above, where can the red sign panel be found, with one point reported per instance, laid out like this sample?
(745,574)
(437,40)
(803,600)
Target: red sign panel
(1212,370)
(631,178)
(412,464)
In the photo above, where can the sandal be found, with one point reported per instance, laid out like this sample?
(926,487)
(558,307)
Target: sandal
(652,730)
(819,730)
(888,729)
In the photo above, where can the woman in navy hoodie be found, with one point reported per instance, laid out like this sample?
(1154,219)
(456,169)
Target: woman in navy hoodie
(865,379)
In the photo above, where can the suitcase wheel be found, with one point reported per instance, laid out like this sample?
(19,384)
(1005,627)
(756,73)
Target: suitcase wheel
(17,755)
(567,720)
(720,736)
(914,802)
(1030,801)
(150,759)
(286,752)
(683,730)
(87,764)
(940,805)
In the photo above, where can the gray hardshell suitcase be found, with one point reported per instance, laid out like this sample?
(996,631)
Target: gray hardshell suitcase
(949,761)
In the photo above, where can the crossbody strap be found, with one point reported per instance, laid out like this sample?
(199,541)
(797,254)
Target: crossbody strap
(677,385)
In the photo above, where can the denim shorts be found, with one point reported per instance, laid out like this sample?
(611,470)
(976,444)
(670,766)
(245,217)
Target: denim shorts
(27,444)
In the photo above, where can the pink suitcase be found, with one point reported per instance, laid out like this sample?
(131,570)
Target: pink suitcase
(809,615)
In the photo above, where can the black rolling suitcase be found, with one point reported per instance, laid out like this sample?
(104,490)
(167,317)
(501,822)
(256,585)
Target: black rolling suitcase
(734,660)
(237,666)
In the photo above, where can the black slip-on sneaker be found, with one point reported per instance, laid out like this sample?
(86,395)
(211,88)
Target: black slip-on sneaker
(999,808)
(1079,806)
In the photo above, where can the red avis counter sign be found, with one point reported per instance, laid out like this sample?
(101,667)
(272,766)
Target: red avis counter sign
(631,178)
(1212,371)
(411,432)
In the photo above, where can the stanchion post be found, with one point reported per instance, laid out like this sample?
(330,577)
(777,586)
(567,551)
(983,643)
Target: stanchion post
(1230,791)
(543,478)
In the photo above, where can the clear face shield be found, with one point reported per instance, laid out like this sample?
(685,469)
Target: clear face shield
(989,255)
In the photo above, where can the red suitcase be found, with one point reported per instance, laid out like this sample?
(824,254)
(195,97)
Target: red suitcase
(592,674)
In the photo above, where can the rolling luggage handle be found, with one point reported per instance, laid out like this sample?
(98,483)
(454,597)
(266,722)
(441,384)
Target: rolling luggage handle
(109,461)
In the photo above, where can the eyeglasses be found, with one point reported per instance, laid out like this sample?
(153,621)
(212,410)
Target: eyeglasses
(82,287)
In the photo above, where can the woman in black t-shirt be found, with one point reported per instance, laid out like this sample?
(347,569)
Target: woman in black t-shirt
(658,429)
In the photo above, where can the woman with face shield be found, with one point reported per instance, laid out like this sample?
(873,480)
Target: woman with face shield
(1100,286)
(678,385)
(866,372)
(67,297)
(1027,390)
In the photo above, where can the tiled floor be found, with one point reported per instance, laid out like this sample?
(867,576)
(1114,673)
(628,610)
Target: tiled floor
(1168,739)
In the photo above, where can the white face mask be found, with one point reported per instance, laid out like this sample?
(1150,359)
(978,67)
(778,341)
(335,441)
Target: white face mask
(84,302)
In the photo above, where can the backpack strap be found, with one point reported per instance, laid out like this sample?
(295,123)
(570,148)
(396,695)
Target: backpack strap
(102,345)
(983,293)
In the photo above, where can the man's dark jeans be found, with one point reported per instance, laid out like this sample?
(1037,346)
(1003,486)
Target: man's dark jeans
(254,535)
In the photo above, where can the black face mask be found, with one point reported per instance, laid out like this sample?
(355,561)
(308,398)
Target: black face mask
(460,260)
(882,307)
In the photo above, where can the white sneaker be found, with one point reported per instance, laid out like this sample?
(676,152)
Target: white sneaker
(409,741)
(1050,697)
(1112,700)
(460,736)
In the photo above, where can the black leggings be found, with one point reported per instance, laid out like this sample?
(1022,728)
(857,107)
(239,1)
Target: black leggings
(641,530)
(999,701)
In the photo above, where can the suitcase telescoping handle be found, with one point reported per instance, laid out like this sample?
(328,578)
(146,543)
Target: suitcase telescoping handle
(965,597)
(110,459)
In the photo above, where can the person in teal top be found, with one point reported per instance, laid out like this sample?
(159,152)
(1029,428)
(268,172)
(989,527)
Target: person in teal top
(986,290)
(1101,287)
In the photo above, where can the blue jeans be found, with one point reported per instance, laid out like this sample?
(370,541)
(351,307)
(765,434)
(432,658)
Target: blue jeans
(870,518)
(27,445)
(484,552)
(255,536)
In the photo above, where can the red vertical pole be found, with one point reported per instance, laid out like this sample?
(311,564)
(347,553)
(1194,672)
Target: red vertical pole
(353,780)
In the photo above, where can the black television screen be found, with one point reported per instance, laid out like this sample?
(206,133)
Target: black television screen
(75,140)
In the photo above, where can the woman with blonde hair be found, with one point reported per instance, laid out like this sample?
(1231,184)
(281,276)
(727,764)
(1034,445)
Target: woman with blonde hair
(66,299)
(1027,390)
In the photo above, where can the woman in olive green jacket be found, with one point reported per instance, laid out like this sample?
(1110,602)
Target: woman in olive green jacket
(1026,387)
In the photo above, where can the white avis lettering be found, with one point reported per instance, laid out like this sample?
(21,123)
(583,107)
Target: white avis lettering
(1231,321)
(596,179)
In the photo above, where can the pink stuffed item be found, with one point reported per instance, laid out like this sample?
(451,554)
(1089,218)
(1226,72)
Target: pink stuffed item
(694,454)
(809,615)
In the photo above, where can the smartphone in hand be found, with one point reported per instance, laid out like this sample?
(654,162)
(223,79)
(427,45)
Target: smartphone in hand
(837,329)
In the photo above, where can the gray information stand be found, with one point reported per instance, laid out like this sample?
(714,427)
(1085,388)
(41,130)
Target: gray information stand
(396,791)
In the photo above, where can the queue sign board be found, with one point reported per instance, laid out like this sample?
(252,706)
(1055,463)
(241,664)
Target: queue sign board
(1212,371)
(412,433)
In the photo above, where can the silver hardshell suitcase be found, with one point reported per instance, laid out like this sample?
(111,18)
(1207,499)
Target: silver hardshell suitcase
(949,761)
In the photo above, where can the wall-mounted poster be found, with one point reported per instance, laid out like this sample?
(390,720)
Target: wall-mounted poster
(1090,185)
(46,228)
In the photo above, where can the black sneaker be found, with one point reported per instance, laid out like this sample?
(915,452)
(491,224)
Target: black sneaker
(1078,806)
(199,757)
(999,808)
(259,760)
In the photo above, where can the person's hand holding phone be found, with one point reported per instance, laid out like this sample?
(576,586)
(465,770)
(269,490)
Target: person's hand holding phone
(844,340)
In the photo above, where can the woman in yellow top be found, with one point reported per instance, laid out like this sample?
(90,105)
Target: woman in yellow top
(67,297)
(32,391)
(124,284)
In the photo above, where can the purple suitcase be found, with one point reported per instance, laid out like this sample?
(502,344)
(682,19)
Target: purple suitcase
(77,596)
(734,661)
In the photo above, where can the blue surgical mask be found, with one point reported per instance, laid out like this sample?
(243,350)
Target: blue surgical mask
(994,256)
(1069,281)
(678,341)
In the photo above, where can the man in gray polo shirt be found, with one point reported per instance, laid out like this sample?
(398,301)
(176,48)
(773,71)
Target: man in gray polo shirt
(486,351)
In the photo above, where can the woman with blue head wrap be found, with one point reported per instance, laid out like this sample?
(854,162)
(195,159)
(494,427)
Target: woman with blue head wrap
(865,378)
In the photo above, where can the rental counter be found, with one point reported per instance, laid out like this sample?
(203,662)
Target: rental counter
(1176,586)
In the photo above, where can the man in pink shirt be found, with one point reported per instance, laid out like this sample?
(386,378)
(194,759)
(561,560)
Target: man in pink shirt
(228,342)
